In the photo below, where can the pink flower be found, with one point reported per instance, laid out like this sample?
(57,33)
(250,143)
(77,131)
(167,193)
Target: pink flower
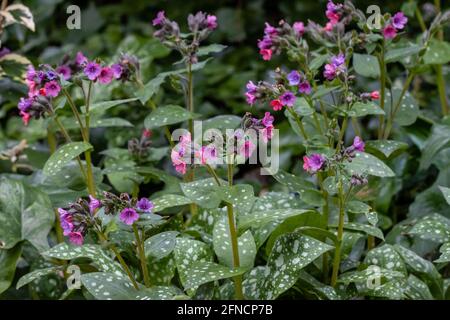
(268,119)
(270,30)
(333,17)
(145,205)
(128,216)
(313,163)
(304,87)
(267,133)
(106,75)
(250,98)
(211,22)
(399,20)
(80,59)
(330,72)
(266,54)
(299,28)
(328,27)
(375,95)
(389,32)
(25,117)
(52,88)
(159,19)
(358,144)
(207,154)
(276,104)
(247,149)
(76,238)
(64,71)
(178,153)
(94,204)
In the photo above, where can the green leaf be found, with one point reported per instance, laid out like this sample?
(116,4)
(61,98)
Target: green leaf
(361,109)
(26,213)
(432,227)
(202,272)
(101,107)
(417,289)
(372,218)
(102,261)
(417,264)
(445,253)
(438,52)
(167,115)
(169,201)
(446,192)
(161,245)
(365,163)
(386,257)
(366,65)
(107,286)
(302,107)
(260,218)
(399,54)
(222,245)
(204,192)
(358,207)
(437,141)
(162,271)
(8,263)
(63,156)
(318,62)
(240,196)
(407,110)
(364,276)
(212,48)
(221,122)
(370,230)
(386,147)
(152,87)
(322,91)
(110,122)
(34,275)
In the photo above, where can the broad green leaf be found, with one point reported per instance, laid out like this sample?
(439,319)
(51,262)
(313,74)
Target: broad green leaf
(8,263)
(407,109)
(309,283)
(438,52)
(110,122)
(372,218)
(417,264)
(202,272)
(392,290)
(240,196)
(356,206)
(94,252)
(107,286)
(368,229)
(417,289)
(101,107)
(302,107)
(26,213)
(445,253)
(293,182)
(432,227)
(386,147)
(221,122)
(260,218)
(361,109)
(318,62)
(446,192)
(369,274)
(169,201)
(167,115)
(161,245)
(322,91)
(212,48)
(152,87)
(365,163)
(36,274)
(223,248)
(366,65)
(206,193)
(437,141)
(402,53)
(386,257)
(162,271)
(63,156)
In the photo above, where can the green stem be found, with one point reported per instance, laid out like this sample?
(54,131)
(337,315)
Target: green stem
(337,251)
(141,253)
(382,89)
(325,215)
(342,132)
(299,123)
(439,74)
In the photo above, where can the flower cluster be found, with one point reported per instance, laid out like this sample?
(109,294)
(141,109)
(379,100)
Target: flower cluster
(139,148)
(200,25)
(334,13)
(335,68)
(394,24)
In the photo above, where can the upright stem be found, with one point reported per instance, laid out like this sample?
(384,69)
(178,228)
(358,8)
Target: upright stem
(87,154)
(337,251)
(325,215)
(439,74)
(141,253)
(299,123)
(52,145)
(190,97)
(382,89)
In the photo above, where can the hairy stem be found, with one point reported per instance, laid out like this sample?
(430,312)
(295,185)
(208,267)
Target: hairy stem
(382,89)
(299,123)
(337,251)
(141,253)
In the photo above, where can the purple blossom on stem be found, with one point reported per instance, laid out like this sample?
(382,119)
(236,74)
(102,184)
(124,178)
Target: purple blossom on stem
(288,99)
(80,59)
(25,104)
(399,20)
(389,32)
(94,204)
(128,216)
(117,70)
(358,144)
(64,71)
(338,60)
(313,163)
(65,220)
(92,70)
(304,87)
(211,22)
(294,77)
(52,89)
(268,119)
(160,17)
(145,205)
(299,28)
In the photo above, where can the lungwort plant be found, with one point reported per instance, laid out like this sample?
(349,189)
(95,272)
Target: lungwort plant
(173,211)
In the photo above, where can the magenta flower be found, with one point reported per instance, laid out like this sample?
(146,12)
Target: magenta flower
(299,28)
(270,30)
(265,43)
(52,89)
(92,70)
(80,59)
(106,75)
(288,99)
(250,98)
(145,205)
(399,20)
(294,78)
(268,119)
(25,104)
(389,32)
(159,19)
(358,144)
(266,54)
(313,163)
(65,220)
(94,204)
(267,133)
(117,70)
(251,87)
(211,22)
(128,216)
(31,73)
(25,117)
(330,72)
(64,71)
(76,238)
(304,87)
(247,149)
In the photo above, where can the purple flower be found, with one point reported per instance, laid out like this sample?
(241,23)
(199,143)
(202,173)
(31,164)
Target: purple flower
(65,220)
(288,99)
(330,72)
(94,204)
(52,89)
(211,22)
(4,51)
(25,104)
(399,20)
(358,144)
(268,119)
(269,30)
(64,71)
(299,28)
(80,59)
(313,163)
(76,238)
(31,73)
(106,75)
(304,87)
(338,60)
(265,43)
(250,98)
(159,18)
(294,77)
(117,70)
(251,87)
(128,216)
(92,70)
(145,205)
(51,75)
